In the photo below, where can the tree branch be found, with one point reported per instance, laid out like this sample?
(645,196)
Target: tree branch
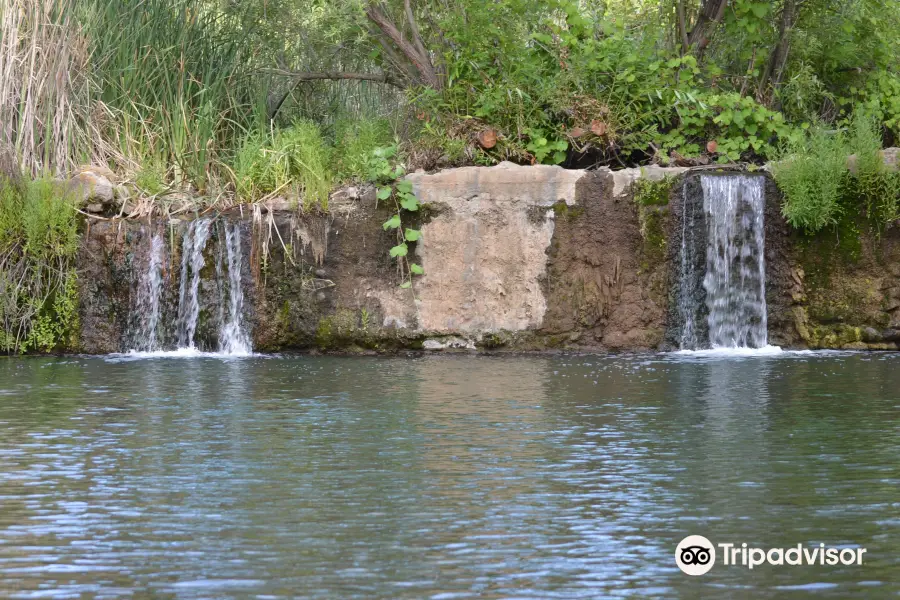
(300,76)
(421,61)
(417,39)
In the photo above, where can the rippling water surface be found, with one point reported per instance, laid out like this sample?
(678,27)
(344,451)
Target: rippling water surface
(444,477)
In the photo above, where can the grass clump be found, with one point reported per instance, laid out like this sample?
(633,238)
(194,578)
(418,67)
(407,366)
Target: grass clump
(825,172)
(355,146)
(290,161)
(38,244)
(809,172)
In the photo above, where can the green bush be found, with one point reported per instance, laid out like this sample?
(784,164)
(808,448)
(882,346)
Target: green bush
(38,244)
(355,144)
(809,172)
(813,174)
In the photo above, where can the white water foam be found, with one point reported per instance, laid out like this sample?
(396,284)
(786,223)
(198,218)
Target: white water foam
(179,353)
(739,352)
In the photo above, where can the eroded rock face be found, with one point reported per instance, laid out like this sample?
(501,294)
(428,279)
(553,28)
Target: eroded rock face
(485,253)
(521,258)
(514,257)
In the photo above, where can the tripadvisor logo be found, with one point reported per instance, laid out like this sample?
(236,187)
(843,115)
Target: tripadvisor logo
(696,555)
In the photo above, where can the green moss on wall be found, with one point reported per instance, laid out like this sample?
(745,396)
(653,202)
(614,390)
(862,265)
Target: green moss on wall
(652,201)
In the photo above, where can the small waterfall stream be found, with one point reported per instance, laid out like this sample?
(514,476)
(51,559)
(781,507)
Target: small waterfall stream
(723,282)
(233,338)
(224,310)
(149,293)
(735,280)
(192,262)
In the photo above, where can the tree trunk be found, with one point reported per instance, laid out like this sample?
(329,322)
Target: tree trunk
(711,14)
(771,78)
(682,29)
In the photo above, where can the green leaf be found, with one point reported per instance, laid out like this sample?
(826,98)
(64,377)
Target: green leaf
(384,193)
(404,186)
(412,235)
(400,250)
(416,269)
(392,223)
(405,285)
(760,9)
(409,202)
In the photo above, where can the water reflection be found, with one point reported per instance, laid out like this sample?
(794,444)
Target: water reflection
(539,477)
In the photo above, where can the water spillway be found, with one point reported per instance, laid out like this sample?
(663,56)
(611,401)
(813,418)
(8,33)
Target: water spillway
(192,263)
(233,337)
(721,294)
(207,313)
(148,303)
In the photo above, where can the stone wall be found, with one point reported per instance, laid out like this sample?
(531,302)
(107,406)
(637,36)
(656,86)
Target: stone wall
(515,257)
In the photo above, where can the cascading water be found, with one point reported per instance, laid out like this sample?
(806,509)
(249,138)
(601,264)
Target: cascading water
(204,312)
(735,280)
(729,296)
(233,338)
(148,299)
(192,262)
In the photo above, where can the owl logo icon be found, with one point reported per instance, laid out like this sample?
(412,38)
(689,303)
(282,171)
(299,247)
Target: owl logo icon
(695,555)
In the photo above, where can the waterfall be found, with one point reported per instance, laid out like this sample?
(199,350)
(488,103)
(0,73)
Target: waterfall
(233,338)
(735,280)
(207,310)
(721,298)
(192,262)
(147,304)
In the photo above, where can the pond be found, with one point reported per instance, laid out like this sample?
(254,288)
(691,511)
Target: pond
(445,476)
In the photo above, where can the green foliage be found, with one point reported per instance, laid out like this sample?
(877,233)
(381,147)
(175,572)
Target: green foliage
(809,172)
(549,151)
(405,202)
(357,147)
(816,182)
(294,159)
(38,291)
(739,125)
(874,184)
(652,193)
(173,79)
(150,180)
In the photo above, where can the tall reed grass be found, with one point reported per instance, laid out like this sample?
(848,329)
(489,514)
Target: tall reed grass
(171,93)
(43,85)
(121,83)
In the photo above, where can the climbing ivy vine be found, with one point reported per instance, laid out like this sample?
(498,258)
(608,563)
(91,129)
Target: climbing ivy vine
(400,190)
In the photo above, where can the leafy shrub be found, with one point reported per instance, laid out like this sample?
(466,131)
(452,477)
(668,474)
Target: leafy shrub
(809,172)
(355,145)
(814,176)
(38,243)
